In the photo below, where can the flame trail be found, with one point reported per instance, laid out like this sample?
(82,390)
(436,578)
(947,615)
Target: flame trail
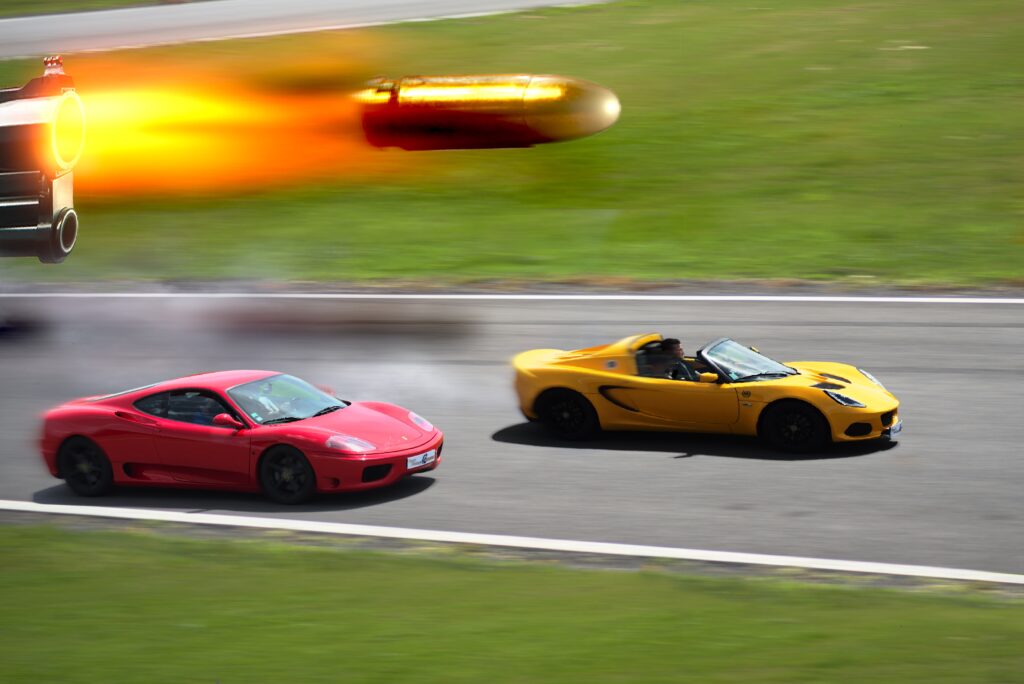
(213,127)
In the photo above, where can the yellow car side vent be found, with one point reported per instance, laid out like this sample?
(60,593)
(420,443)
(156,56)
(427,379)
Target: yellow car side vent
(606,392)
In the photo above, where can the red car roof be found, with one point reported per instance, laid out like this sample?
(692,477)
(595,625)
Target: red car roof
(218,380)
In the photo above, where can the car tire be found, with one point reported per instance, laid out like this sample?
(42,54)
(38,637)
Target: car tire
(84,467)
(286,476)
(795,427)
(568,414)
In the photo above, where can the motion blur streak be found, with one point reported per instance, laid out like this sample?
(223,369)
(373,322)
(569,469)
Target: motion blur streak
(209,128)
(479,93)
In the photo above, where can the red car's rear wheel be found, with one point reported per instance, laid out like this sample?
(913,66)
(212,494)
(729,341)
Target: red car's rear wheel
(85,467)
(286,476)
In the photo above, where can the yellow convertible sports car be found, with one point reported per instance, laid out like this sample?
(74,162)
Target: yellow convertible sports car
(726,388)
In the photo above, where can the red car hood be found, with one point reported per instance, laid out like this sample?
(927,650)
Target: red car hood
(385,432)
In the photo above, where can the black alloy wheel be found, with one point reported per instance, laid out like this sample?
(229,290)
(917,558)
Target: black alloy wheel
(286,476)
(568,414)
(795,427)
(85,468)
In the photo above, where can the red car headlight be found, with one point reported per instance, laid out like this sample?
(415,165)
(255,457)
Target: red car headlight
(349,443)
(421,422)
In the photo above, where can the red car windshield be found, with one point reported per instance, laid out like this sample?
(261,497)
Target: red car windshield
(282,399)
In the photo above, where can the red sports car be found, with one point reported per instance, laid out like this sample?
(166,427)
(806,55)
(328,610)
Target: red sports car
(241,430)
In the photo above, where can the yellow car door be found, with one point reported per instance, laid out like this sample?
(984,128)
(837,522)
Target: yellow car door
(690,404)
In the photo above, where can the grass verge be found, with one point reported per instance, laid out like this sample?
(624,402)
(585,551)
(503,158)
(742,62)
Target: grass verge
(18,8)
(116,607)
(873,142)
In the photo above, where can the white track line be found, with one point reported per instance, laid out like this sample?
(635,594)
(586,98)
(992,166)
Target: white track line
(347,26)
(312,28)
(823,299)
(564,545)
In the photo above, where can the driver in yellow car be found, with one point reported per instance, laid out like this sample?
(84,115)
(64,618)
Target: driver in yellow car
(670,363)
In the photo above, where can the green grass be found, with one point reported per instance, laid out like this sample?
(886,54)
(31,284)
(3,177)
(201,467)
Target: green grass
(17,8)
(795,140)
(115,607)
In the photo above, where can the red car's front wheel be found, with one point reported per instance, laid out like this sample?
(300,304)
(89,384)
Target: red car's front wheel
(286,476)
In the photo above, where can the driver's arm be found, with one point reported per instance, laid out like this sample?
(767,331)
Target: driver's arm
(682,371)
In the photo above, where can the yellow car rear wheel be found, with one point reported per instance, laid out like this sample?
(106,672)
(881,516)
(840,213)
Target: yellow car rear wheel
(567,414)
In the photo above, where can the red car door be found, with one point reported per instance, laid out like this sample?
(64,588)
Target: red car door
(194,449)
(129,440)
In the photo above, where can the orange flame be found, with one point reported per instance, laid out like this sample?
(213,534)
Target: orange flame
(215,128)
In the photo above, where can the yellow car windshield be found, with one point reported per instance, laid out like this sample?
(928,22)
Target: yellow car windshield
(741,363)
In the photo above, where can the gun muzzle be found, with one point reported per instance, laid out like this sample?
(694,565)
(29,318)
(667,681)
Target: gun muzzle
(37,216)
(42,133)
(489,111)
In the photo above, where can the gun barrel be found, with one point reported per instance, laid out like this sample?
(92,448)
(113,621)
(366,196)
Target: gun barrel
(42,133)
(485,111)
(45,133)
(37,216)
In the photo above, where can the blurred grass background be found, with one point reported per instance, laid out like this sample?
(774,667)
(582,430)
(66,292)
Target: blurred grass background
(15,8)
(116,607)
(875,142)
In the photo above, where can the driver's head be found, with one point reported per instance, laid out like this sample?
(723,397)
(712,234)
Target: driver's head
(672,347)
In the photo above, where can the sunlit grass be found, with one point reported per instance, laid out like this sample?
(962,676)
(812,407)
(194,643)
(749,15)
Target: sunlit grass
(874,142)
(114,607)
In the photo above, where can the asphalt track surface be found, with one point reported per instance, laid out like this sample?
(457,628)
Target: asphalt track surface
(216,19)
(949,494)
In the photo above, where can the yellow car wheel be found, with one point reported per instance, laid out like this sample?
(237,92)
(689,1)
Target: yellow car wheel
(794,426)
(567,414)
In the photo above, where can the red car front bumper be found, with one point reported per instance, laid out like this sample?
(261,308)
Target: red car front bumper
(344,473)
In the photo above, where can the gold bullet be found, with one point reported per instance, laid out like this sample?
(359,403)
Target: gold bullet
(487,111)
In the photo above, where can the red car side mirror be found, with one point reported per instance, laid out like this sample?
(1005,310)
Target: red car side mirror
(227,420)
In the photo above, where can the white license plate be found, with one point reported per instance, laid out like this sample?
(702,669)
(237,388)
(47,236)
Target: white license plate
(896,429)
(421,459)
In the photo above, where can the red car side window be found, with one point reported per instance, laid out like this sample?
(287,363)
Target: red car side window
(154,404)
(194,406)
(188,406)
